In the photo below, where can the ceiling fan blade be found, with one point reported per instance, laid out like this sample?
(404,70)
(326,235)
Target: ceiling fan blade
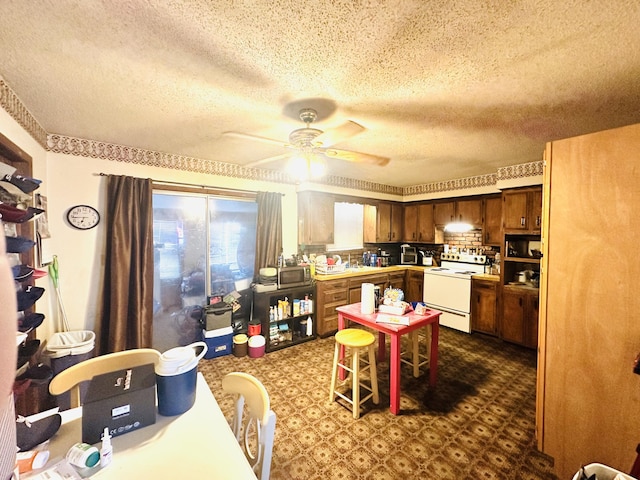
(246,136)
(338,134)
(350,156)
(284,156)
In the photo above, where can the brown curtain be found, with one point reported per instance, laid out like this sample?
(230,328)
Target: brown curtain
(269,231)
(127,311)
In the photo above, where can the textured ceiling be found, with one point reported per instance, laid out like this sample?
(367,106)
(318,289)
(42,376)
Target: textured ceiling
(445,89)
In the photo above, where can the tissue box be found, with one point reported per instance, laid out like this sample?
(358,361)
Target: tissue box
(124,400)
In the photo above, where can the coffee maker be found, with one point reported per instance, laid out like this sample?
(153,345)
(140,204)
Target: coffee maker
(384,257)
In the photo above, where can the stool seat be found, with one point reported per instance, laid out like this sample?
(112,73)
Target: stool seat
(354,337)
(355,340)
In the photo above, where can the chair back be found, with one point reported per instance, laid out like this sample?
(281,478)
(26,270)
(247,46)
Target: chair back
(71,378)
(258,428)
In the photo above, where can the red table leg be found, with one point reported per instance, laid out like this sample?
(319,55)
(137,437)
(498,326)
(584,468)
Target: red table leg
(382,347)
(394,364)
(433,359)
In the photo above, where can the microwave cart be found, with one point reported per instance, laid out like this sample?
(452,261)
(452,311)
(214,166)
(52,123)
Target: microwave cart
(286,316)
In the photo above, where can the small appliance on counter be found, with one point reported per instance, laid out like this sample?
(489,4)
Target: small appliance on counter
(267,280)
(408,255)
(384,258)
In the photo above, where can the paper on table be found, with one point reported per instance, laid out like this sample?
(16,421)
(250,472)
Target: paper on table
(394,319)
(60,471)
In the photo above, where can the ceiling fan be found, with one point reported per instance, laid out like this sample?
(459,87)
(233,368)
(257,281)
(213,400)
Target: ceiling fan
(307,142)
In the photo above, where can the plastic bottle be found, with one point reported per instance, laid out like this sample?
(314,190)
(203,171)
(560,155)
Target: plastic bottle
(31,460)
(106,452)
(309,326)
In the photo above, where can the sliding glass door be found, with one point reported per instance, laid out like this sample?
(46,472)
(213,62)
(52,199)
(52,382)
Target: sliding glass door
(204,247)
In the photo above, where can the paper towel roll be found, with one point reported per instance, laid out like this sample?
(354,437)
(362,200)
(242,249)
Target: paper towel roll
(367,305)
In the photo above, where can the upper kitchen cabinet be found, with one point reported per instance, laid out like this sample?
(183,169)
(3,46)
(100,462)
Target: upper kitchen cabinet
(315,218)
(389,222)
(418,223)
(522,210)
(465,211)
(491,226)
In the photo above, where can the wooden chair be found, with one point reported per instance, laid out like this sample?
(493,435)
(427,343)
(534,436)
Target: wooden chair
(257,432)
(71,378)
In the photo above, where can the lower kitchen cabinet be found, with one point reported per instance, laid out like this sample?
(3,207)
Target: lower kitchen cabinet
(484,306)
(396,280)
(520,316)
(330,294)
(346,290)
(355,285)
(414,282)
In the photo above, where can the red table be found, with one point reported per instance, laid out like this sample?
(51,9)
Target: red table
(431,317)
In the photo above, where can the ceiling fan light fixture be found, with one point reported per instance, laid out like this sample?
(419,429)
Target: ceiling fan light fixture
(306,166)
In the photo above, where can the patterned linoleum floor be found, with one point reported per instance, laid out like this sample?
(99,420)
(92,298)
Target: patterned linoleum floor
(477,424)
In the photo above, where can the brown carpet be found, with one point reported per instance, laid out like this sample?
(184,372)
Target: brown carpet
(477,424)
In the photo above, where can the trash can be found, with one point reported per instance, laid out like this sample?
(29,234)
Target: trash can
(65,349)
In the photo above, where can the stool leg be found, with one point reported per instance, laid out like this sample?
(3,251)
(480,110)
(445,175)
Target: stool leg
(373,374)
(427,333)
(334,373)
(355,385)
(415,352)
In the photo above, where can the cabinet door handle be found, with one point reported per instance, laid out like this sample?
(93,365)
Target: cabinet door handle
(520,301)
(538,221)
(522,221)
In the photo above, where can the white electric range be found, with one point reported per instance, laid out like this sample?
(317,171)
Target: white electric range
(448,288)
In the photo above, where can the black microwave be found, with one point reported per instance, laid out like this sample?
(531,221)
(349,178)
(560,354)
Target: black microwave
(294,276)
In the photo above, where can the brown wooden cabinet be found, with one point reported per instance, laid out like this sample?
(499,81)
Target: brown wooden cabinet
(396,280)
(484,306)
(389,222)
(469,211)
(466,211)
(520,316)
(343,291)
(492,221)
(418,223)
(330,294)
(522,210)
(414,283)
(315,218)
(410,223)
(355,285)
(443,213)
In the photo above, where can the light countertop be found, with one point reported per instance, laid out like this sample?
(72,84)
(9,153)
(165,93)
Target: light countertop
(360,271)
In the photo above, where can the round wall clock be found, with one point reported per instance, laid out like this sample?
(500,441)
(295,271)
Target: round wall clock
(83,217)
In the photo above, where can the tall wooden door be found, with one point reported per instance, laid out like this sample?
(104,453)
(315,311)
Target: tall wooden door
(588,398)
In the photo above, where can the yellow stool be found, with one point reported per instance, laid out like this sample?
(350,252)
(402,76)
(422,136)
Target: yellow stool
(413,356)
(355,339)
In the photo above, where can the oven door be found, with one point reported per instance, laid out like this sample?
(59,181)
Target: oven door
(448,292)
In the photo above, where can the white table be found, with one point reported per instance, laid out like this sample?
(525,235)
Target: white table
(197,444)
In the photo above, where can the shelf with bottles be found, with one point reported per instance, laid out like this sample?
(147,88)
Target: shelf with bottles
(287,316)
